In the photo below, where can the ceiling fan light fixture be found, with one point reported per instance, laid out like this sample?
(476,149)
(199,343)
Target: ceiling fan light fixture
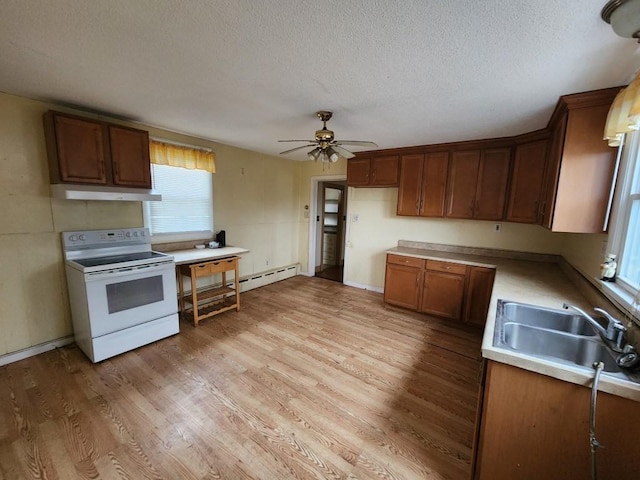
(327,148)
(623,16)
(314,154)
(333,155)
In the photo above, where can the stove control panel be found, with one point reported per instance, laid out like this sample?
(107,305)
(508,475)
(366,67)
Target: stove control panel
(101,238)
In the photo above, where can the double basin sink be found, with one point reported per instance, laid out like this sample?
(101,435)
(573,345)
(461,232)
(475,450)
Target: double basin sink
(555,335)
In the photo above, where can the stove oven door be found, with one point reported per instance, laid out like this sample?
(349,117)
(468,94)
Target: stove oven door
(122,298)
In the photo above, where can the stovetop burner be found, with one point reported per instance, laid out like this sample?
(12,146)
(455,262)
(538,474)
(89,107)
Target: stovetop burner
(115,259)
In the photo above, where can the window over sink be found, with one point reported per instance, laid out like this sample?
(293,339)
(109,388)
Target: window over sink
(625,231)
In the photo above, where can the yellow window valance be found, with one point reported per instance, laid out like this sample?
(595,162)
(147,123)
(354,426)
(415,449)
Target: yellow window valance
(181,156)
(624,114)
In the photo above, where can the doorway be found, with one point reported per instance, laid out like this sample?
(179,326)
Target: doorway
(330,230)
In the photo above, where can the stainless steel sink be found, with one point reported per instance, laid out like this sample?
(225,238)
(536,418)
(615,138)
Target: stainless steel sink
(572,348)
(553,335)
(541,317)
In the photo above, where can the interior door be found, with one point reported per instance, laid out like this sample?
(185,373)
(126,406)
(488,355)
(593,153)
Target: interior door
(332,208)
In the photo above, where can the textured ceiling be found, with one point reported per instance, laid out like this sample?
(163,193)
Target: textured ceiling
(250,72)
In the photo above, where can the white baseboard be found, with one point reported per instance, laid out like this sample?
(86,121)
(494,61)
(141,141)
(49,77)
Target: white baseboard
(365,287)
(35,350)
(271,276)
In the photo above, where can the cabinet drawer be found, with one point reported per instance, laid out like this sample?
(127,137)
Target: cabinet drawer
(223,265)
(446,267)
(402,260)
(200,270)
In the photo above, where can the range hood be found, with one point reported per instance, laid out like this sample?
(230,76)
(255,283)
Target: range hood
(91,192)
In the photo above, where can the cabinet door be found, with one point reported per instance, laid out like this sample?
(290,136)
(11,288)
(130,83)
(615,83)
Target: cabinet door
(526,182)
(79,148)
(434,184)
(585,174)
(358,171)
(463,178)
(536,427)
(402,285)
(384,171)
(552,172)
(409,187)
(478,295)
(130,157)
(491,190)
(442,294)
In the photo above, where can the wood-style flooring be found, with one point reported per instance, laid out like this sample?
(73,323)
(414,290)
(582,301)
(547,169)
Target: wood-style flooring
(311,379)
(331,272)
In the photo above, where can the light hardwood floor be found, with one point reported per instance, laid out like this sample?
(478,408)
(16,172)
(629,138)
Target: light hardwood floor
(311,379)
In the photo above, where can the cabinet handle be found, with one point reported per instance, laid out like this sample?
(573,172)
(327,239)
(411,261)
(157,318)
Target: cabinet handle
(421,204)
(536,212)
(471,206)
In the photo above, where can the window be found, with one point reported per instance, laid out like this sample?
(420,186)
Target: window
(186,209)
(625,234)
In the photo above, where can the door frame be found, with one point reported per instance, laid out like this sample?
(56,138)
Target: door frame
(313,213)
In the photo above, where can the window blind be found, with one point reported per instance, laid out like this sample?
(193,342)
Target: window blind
(187,201)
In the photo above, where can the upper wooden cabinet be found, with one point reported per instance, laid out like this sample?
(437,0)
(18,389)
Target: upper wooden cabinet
(373,171)
(525,192)
(85,151)
(477,183)
(580,164)
(130,156)
(422,185)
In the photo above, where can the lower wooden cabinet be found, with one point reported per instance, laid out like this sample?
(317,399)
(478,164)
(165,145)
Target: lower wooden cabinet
(479,289)
(402,281)
(536,427)
(443,289)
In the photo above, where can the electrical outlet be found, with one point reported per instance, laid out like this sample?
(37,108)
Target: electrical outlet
(355,218)
(497,227)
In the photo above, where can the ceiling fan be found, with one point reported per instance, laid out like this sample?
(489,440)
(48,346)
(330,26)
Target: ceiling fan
(327,149)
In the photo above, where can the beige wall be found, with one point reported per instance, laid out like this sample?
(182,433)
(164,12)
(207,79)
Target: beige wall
(585,252)
(378,229)
(33,302)
(256,201)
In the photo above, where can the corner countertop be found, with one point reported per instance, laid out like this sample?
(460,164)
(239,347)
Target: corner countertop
(537,283)
(194,255)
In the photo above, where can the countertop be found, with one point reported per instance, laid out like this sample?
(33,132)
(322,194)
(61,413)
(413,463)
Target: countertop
(194,255)
(536,283)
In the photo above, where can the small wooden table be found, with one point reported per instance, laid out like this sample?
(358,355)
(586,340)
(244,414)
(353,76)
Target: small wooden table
(212,301)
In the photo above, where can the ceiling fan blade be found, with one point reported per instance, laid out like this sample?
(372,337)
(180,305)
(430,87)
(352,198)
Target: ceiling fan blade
(358,143)
(297,148)
(296,140)
(343,151)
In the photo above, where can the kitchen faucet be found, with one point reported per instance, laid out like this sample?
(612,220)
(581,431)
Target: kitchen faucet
(615,331)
